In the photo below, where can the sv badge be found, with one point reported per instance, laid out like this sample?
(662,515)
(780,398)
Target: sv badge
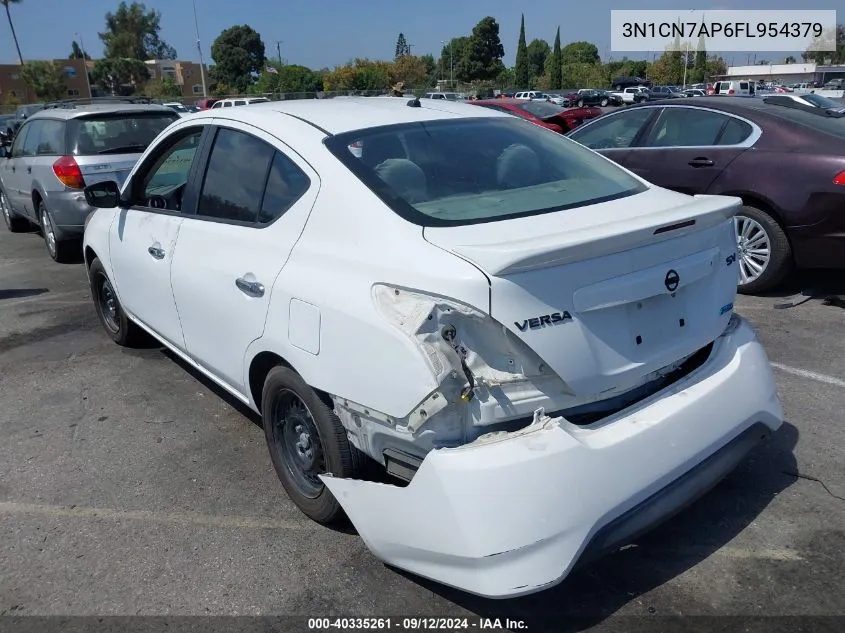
(545,320)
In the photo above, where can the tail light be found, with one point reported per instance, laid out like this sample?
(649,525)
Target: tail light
(68,172)
(839,179)
(731,91)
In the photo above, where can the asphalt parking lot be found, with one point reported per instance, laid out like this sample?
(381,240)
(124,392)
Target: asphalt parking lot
(129,486)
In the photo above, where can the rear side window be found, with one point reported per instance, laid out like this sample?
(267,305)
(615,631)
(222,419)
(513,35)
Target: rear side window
(735,132)
(236,176)
(116,133)
(52,140)
(285,185)
(686,127)
(30,144)
(468,171)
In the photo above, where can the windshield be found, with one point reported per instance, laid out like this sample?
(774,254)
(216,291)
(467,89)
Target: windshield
(466,171)
(541,109)
(115,133)
(823,102)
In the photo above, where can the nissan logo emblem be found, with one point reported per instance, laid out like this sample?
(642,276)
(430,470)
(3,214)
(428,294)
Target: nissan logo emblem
(672,280)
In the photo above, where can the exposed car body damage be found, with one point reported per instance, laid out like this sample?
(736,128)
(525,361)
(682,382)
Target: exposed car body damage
(510,513)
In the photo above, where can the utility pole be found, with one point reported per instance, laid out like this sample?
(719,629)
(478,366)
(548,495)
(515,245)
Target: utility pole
(279,74)
(85,64)
(451,66)
(442,61)
(199,49)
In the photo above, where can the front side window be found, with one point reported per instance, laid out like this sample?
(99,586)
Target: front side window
(17,146)
(30,145)
(686,127)
(487,169)
(613,132)
(117,133)
(235,178)
(161,186)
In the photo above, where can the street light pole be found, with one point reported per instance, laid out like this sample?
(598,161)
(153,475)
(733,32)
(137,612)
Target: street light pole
(279,74)
(85,65)
(199,50)
(451,66)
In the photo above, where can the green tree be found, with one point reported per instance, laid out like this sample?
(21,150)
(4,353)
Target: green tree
(700,68)
(789,60)
(555,73)
(835,56)
(538,50)
(133,32)
(485,51)
(580,53)
(44,79)
(455,56)
(288,78)
(238,55)
(163,88)
(522,71)
(119,75)
(76,52)
(402,47)
(6,4)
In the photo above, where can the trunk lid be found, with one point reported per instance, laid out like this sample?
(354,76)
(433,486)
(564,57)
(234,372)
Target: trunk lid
(114,167)
(608,293)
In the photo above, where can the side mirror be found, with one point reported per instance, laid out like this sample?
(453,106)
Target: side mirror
(103,195)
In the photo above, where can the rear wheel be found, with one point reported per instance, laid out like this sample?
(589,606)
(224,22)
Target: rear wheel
(114,320)
(61,250)
(14,222)
(306,439)
(604,103)
(580,103)
(763,251)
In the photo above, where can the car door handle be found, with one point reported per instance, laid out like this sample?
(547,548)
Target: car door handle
(156,252)
(250,288)
(701,161)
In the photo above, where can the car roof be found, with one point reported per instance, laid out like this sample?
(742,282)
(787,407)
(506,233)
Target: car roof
(345,114)
(72,112)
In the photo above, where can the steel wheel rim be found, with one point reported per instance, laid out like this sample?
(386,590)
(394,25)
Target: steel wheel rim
(297,443)
(754,249)
(49,235)
(108,305)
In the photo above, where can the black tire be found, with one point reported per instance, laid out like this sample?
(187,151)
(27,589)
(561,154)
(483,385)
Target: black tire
(780,262)
(63,251)
(293,410)
(604,103)
(580,103)
(14,222)
(114,320)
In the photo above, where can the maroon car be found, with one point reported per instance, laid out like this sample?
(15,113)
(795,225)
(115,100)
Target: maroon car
(785,160)
(542,113)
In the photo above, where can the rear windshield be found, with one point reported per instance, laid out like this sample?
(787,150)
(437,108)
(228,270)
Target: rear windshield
(830,125)
(468,171)
(823,102)
(116,133)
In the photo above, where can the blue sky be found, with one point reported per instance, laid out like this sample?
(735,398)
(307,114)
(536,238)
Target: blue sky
(328,33)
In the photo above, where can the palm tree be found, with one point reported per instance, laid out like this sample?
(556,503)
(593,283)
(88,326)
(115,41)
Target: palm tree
(6,4)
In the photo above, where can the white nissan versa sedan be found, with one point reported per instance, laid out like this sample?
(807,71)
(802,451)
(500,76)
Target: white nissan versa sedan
(538,346)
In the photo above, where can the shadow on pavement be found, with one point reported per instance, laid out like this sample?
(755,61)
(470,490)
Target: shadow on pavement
(20,293)
(595,592)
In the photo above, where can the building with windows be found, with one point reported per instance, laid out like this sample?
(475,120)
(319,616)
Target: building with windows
(188,75)
(14,90)
(786,73)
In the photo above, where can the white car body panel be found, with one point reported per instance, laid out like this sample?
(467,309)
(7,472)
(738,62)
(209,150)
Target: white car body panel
(350,306)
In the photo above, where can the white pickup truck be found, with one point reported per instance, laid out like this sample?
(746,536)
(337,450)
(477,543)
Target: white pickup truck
(633,95)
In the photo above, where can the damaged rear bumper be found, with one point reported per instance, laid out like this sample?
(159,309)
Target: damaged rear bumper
(513,514)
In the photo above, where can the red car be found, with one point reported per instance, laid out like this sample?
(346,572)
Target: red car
(205,104)
(542,113)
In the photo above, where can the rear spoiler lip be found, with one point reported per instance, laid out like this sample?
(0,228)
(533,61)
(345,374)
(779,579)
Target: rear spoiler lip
(507,258)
